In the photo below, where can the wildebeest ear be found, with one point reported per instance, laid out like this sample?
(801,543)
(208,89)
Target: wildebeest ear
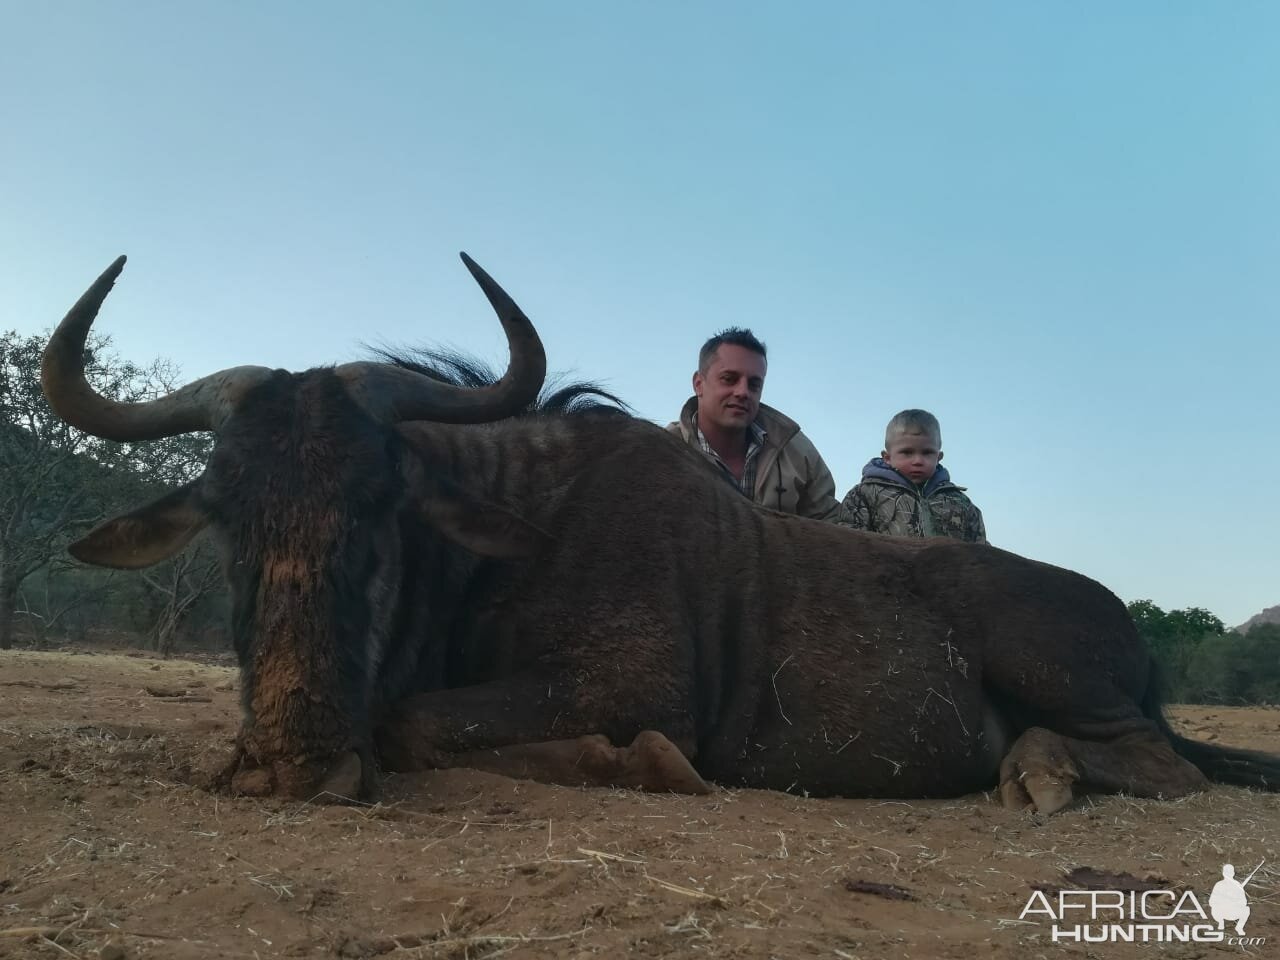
(479,526)
(145,536)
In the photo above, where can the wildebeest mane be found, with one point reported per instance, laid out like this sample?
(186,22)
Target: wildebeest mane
(461,370)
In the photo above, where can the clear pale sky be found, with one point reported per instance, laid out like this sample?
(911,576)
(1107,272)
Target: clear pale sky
(1057,226)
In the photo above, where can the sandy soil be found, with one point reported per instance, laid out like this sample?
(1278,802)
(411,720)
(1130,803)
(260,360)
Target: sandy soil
(107,850)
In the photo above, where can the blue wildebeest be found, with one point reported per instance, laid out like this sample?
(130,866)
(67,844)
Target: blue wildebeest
(422,576)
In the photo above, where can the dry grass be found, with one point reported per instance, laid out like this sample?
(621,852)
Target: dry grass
(106,842)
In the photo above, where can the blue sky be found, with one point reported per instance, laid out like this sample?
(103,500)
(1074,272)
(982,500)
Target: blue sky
(1054,225)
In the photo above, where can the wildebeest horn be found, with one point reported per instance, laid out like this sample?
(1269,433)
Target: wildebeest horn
(201,405)
(395,393)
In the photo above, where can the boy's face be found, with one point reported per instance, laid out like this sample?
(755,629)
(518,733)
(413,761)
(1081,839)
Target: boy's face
(914,455)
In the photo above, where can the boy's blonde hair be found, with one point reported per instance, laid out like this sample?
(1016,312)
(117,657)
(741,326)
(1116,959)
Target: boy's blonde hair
(913,421)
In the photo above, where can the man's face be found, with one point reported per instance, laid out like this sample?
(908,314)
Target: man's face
(729,391)
(914,455)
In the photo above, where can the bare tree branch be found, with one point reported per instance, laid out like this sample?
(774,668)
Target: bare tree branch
(55,481)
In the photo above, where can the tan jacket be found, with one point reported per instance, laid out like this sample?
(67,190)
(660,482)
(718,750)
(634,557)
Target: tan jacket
(791,475)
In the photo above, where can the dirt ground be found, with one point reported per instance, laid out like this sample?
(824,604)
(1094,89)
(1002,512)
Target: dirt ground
(107,850)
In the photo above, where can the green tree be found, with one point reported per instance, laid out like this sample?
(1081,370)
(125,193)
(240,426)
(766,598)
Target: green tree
(1195,623)
(1265,633)
(1231,668)
(1167,630)
(1203,662)
(1174,637)
(1151,621)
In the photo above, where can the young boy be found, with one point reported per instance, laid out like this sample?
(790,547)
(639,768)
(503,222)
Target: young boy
(906,493)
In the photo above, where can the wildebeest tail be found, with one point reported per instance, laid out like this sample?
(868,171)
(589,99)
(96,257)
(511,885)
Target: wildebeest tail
(1244,768)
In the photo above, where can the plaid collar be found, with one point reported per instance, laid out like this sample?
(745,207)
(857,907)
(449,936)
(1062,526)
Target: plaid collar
(755,439)
(755,443)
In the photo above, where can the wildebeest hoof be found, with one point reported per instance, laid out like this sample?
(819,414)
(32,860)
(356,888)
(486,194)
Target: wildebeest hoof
(339,780)
(657,764)
(215,773)
(651,762)
(344,780)
(1040,793)
(257,782)
(1037,773)
(238,775)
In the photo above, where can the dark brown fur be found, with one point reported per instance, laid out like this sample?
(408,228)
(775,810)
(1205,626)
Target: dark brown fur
(779,652)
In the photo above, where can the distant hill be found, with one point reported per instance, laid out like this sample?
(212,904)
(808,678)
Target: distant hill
(1269,615)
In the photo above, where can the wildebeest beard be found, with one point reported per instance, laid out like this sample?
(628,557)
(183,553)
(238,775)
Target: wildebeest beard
(305,491)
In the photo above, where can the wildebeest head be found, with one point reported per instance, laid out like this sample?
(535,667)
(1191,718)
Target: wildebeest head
(304,492)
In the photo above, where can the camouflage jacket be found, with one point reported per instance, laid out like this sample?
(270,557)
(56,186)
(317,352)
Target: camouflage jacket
(791,475)
(887,502)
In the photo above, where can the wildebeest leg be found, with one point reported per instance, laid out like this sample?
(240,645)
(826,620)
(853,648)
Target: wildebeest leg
(535,726)
(651,762)
(1042,767)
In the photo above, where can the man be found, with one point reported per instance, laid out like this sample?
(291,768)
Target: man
(757,449)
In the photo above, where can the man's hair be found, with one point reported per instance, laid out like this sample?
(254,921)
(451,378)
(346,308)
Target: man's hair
(913,421)
(737,336)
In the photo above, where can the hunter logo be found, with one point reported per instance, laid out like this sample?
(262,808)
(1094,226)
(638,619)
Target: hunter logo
(1147,915)
(1228,900)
